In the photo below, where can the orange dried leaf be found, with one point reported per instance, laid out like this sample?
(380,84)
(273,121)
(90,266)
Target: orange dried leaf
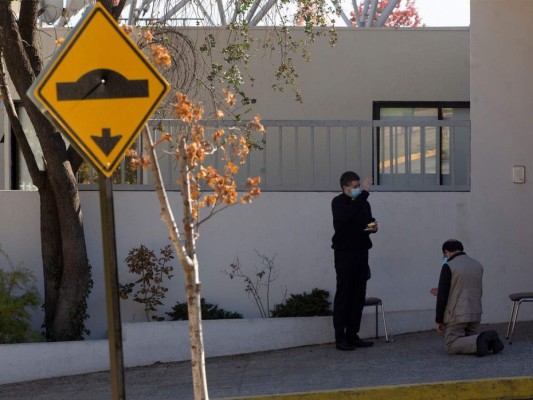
(210,201)
(127,29)
(253,181)
(218,134)
(160,55)
(230,97)
(165,137)
(256,125)
(148,36)
(197,113)
(246,199)
(145,162)
(231,168)
(182,108)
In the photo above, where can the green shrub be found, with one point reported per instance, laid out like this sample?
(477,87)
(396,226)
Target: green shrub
(209,311)
(18,295)
(304,305)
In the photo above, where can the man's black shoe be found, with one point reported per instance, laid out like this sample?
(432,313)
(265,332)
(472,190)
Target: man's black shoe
(483,343)
(358,342)
(344,346)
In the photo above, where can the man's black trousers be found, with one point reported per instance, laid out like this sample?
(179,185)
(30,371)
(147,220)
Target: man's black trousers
(352,273)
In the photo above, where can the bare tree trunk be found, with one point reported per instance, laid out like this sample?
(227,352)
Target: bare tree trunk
(194,288)
(76,282)
(189,263)
(193,284)
(51,255)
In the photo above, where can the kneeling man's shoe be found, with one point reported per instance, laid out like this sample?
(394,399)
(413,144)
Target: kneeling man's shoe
(496,345)
(344,346)
(482,344)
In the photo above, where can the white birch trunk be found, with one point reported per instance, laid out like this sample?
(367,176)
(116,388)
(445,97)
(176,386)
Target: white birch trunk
(187,256)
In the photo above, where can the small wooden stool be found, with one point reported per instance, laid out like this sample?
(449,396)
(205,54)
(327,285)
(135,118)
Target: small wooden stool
(517,299)
(374,301)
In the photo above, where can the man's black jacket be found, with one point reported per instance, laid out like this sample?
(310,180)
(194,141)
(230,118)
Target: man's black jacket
(350,218)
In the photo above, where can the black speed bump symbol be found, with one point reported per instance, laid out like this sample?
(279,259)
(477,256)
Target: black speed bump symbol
(100,84)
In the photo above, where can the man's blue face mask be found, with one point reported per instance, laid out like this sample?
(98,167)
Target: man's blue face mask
(444,260)
(354,192)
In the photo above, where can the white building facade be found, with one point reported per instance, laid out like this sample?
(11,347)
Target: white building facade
(481,74)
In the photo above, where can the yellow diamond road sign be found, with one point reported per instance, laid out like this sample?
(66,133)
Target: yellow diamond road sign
(100,90)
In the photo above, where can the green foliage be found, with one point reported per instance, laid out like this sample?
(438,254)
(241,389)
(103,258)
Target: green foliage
(79,314)
(304,305)
(279,45)
(152,271)
(18,295)
(209,311)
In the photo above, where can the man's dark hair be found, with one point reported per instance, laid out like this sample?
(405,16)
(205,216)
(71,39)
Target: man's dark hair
(452,245)
(347,177)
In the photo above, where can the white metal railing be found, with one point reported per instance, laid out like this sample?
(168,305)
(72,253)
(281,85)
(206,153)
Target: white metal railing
(310,155)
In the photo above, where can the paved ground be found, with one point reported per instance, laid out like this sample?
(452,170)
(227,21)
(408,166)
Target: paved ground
(411,358)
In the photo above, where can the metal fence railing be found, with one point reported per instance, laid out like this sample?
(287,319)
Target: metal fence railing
(310,155)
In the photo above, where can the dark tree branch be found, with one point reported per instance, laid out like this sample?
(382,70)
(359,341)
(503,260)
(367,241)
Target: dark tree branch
(75,159)
(22,75)
(37,176)
(27,29)
(13,51)
(115,11)
(11,47)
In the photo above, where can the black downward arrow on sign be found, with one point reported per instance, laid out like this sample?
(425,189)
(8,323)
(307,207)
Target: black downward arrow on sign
(106,142)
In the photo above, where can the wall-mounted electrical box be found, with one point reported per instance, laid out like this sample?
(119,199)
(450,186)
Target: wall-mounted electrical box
(519,173)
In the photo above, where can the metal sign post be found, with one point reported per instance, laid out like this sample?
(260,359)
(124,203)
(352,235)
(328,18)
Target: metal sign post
(114,327)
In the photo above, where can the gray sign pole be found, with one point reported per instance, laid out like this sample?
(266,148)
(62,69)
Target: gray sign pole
(114,327)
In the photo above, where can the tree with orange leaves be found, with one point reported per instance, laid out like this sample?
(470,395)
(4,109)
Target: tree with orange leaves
(65,263)
(205,191)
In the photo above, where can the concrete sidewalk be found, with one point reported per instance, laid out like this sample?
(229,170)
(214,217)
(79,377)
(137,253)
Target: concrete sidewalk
(411,358)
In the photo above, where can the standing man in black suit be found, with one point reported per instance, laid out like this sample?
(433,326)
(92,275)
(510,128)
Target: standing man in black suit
(353,223)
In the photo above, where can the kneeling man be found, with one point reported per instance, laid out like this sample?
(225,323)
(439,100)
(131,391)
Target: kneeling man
(459,304)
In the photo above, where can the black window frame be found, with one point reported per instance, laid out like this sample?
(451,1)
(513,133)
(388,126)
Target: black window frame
(439,105)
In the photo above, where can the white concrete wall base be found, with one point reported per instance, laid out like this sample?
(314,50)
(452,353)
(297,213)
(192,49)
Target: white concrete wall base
(31,361)
(148,342)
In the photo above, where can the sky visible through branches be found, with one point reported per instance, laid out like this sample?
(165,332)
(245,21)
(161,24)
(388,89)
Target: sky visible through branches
(434,13)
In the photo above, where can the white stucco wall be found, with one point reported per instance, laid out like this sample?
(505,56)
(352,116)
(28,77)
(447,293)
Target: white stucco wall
(297,228)
(294,227)
(375,64)
(501,102)
(493,220)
